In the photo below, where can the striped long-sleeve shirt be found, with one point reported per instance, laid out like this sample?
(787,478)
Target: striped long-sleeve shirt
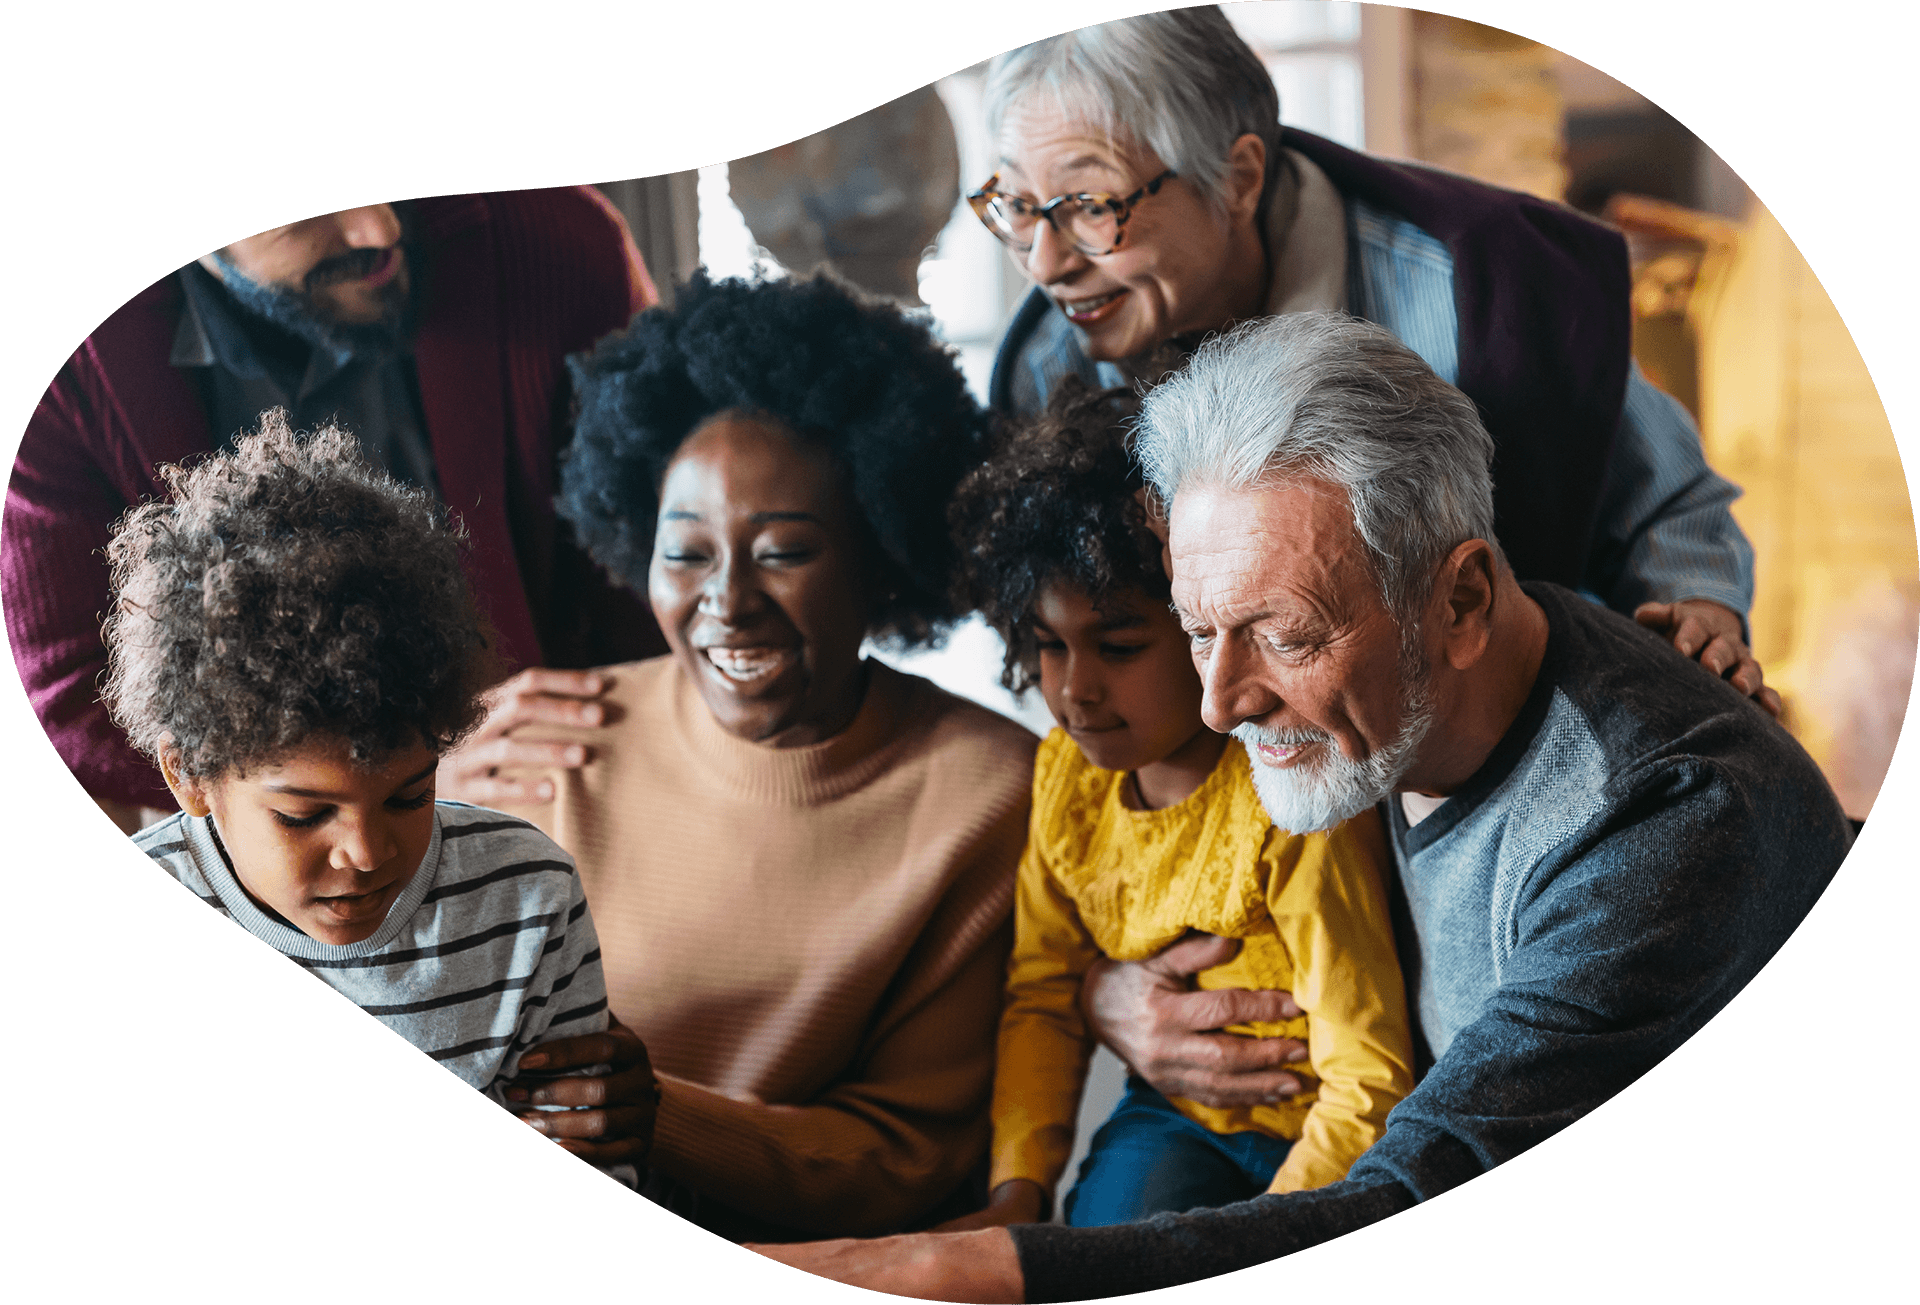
(488,950)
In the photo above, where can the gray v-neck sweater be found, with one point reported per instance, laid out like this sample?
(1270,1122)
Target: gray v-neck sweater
(1634,849)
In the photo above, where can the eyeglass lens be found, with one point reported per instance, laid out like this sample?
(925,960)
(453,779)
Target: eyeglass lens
(1091,224)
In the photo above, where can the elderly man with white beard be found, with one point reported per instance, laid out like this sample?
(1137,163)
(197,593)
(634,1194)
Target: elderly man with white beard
(1595,845)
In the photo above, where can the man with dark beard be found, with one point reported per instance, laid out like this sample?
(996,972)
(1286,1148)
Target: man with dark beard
(1595,846)
(436,331)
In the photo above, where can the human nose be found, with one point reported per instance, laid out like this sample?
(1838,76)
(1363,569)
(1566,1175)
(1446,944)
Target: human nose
(373,227)
(1052,257)
(726,591)
(1084,684)
(364,845)
(1231,688)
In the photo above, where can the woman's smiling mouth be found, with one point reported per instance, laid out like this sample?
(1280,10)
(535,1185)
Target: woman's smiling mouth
(746,666)
(1083,311)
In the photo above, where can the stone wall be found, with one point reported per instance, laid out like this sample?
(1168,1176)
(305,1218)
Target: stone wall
(1486,103)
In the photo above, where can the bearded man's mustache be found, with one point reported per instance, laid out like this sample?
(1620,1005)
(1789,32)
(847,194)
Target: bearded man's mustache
(350,266)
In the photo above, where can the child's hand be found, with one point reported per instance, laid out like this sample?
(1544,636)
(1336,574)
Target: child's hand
(1169,1034)
(1018,1200)
(611,1120)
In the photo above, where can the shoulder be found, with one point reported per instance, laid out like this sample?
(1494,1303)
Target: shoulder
(1664,738)
(167,843)
(975,763)
(1451,207)
(562,257)
(571,226)
(507,858)
(956,727)
(1038,347)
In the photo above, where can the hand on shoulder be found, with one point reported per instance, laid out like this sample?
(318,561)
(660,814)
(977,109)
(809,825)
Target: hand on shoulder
(1712,635)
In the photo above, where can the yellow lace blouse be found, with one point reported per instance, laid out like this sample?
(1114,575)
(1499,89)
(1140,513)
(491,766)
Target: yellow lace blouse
(1100,878)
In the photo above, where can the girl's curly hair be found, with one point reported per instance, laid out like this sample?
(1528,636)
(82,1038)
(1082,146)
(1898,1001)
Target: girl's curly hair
(288,590)
(1057,501)
(861,380)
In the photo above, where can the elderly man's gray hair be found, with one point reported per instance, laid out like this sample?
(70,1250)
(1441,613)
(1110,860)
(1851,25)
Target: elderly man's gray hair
(1339,399)
(1182,83)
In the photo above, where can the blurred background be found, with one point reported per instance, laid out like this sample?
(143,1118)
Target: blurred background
(1728,317)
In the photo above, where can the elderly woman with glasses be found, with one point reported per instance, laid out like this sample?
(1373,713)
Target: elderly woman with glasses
(1148,189)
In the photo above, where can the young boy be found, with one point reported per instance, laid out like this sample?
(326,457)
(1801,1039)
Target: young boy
(293,641)
(1146,825)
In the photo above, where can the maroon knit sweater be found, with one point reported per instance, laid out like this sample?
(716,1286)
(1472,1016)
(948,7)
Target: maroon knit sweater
(519,280)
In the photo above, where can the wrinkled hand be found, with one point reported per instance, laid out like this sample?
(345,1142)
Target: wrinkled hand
(612,1119)
(969,1266)
(471,772)
(1168,1032)
(1018,1200)
(1710,634)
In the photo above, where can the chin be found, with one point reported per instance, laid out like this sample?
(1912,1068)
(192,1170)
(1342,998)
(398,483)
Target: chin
(1308,802)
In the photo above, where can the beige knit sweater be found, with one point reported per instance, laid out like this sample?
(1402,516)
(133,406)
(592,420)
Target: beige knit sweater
(812,941)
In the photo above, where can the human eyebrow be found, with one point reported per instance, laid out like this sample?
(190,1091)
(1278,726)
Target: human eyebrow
(1129,621)
(679,514)
(294,791)
(418,775)
(763,518)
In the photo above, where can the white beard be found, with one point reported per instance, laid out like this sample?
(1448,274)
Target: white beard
(1308,798)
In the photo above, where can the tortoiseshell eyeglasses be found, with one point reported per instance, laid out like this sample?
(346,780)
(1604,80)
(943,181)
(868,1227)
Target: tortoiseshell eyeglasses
(1095,223)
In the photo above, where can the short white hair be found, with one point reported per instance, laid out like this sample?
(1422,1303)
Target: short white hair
(1338,399)
(1181,83)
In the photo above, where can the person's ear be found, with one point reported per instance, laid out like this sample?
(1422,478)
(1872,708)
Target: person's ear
(1466,585)
(189,791)
(1246,177)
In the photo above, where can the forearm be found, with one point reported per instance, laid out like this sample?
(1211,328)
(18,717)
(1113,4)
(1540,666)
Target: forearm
(1041,1067)
(1339,1128)
(1060,1264)
(849,1163)
(1665,531)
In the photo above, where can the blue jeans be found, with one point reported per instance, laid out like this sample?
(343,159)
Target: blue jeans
(1149,1159)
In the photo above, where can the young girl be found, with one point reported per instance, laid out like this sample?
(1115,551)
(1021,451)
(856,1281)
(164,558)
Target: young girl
(1146,825)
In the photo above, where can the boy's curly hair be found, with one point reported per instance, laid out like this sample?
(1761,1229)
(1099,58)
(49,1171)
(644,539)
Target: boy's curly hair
(287,590)
(861,380)
(1055,502)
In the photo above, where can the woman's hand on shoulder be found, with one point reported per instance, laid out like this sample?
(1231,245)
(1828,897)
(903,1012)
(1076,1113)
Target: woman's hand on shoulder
(610,1116)
(1711,634)
(1018,1200)
(493,767)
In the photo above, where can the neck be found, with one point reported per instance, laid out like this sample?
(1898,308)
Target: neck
(1274,222)
(1174,777)
(1477,705)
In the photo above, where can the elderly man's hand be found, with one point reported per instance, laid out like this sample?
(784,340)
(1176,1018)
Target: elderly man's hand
(611,1117)
(968,1266)
(1710,634)
(1151,1015)
(472,772)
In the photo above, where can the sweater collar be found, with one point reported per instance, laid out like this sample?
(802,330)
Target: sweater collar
(893,709)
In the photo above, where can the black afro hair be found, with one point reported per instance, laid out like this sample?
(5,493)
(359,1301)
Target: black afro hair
(288,590)
(1057,501)
(859,379)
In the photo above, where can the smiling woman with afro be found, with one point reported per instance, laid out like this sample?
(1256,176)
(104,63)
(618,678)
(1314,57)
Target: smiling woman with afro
(860,381)
(800,860)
